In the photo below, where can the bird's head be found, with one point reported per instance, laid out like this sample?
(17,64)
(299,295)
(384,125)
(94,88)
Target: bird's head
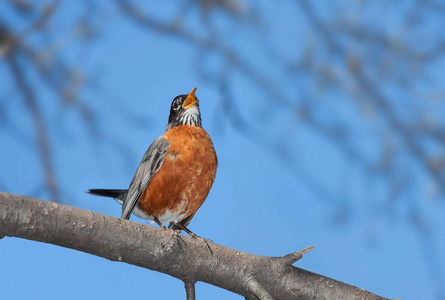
(184,111)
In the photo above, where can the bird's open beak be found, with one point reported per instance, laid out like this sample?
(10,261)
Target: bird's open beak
(191,100)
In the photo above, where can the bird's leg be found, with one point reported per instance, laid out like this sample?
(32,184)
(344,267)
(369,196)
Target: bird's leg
(175,232)
(159,223)
(190,233)
(194,236)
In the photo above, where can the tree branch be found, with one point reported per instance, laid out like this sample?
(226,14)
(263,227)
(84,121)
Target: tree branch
(190,290)
(257,289)
(165,251)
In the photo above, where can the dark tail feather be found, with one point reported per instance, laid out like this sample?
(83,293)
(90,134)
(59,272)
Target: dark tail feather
(108,193)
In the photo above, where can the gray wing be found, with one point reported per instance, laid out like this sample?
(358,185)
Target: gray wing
(150,164)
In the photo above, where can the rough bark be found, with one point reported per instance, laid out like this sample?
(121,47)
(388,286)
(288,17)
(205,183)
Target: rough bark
(190,260)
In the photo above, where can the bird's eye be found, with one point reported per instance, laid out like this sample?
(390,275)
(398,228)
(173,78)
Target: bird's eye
(177,104)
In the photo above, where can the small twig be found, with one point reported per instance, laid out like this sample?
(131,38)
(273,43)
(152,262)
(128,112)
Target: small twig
(190,290)
(255,288)
(291,258)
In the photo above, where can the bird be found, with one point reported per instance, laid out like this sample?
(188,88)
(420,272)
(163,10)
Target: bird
(175,174)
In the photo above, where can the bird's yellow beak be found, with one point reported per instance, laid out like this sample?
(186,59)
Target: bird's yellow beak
(191,100)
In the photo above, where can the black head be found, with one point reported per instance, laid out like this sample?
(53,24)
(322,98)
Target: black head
(184,111)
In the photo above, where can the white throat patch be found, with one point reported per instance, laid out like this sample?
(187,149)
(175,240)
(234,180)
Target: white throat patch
(191,116)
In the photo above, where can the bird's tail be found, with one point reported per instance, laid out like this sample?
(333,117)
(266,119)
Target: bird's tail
(116,194)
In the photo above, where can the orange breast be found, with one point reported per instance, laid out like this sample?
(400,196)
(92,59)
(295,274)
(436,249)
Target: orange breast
(184,180)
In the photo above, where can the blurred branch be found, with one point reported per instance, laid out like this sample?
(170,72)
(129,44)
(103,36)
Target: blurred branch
(164,251)
(347,67)
(9,41)
(42,134)
(9,49)
(26,58)
(370,89)
(210,43)
(377,64)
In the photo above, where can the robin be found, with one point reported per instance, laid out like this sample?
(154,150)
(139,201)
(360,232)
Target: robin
(176,173)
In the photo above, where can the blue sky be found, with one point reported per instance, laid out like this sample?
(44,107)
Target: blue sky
(280,185)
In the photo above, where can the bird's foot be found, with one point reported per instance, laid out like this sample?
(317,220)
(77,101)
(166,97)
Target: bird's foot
(206,241)
(176,232)
(194,236)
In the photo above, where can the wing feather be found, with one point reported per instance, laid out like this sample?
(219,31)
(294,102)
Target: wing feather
(151,162)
